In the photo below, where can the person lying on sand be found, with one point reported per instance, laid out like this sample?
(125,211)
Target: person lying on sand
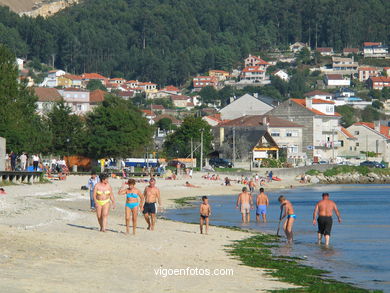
(2,191)
(191,185)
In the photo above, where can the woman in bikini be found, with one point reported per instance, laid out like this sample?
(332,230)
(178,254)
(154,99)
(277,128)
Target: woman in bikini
(132,203)
(103,195)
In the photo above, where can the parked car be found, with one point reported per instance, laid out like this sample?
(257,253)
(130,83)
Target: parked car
(345,163)
(372,164)
(219,162)
(320,163)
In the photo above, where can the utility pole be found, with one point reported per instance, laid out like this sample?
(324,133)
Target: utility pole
(333,145)
(192,154)
(201,149)
(234,146)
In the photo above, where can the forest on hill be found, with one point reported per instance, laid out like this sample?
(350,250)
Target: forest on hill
(167,41)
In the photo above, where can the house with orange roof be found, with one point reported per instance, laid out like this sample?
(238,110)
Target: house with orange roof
(47,98)
(316,94)
(221,75)
(372,137)
(252,60)
(200,82)
(366,72)
(320,121)
(94,76)
(52,78)
(70,80)
(347,141)
(77,99)
(325,51)
(253,74)
(148,87)
(213,120)
(379,82)
(348,51)
(375,50)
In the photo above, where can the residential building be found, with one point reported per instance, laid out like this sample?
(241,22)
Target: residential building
(157,108)
(20,63)
(170,89)
(344,65)
(375,49)
(200,82)
(70,80)
(253,74)
(379,82)
(149,115)
(347,141)
(336,80)
(325,51)
(47,98)
(283,75)
(132,84)
(366,72)
(180,101)
(77,99)
(117,80)
(320,122)
(372,137)
(245,105)
(52,78)
(298,46)
(256,61)
(348,51)
(221,75)
(94,76)
(243,141)
(213,120)
(96,97)
(126,95)
(148,87)
(319,95)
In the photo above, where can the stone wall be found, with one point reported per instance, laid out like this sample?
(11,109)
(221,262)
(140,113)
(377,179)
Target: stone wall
(2,154)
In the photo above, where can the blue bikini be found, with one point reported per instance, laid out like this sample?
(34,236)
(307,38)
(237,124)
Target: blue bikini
(132,205)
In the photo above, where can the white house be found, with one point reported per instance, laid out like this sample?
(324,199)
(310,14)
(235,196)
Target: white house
(256,61)
(283,75)
(245,105)
(319,95)
(77,99)
(366,72)
(52,78)
(375,50)
(47,98)
(298,46)
(336,80)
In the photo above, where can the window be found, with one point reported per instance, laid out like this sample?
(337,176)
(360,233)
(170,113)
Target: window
(79,107)
(357,144)
(356,132)
(341,143)
(275,133)
(294,149)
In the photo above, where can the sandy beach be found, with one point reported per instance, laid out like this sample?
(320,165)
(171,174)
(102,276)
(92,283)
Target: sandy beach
(49,242)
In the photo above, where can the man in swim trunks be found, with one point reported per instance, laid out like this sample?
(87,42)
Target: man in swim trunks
(261,206)
(290,217)
(245,202)
(205,213)
(324,208)
(152,195)
(251,185)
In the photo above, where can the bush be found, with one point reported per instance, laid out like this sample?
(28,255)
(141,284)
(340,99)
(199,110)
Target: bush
(313,172)
(271,163)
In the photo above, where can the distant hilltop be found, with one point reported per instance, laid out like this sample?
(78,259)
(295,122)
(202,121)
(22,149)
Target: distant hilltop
(34,8)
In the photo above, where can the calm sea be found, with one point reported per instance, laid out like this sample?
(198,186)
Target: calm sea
(360,246)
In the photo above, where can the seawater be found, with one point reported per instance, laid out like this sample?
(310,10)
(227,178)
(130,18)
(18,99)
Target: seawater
(359,252)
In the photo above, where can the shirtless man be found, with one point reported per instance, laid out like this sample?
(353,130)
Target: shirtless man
(191,185)
(261,206)
(152,195)
(251,185)
(324,208)
(290,217)
(205,213)
(245,201)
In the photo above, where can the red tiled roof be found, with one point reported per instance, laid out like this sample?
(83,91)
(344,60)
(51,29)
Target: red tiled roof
(146,83)
(347,133)
(334,76)
(179,97)
(350,50)
(324,49)
(380,78)
(204,77)
(302,102)
(368,69)
(219,71)
(260,61)
(317,93)
(252,69)
(117,78)
(367,44)
(125,94)
(73,77)
(257,120)
(171,88)
(190,104)
(215,117)
(96,96)
(93,76)
(386,68)
(384,130)
(132,81)
(157,107)
(45,94)
(148,113)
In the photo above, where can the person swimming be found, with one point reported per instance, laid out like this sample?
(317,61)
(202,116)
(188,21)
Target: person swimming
(132,205)
(103,195)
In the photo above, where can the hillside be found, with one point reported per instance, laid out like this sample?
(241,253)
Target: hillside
(19,5)
(37,7)
(167,41)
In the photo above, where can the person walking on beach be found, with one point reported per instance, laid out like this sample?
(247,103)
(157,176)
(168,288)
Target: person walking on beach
(251,185)
(205,213)
(289,215)
(245,202)
(261,206)
(23,161)
(132,204)
(152,195)
(103,197)
(324,208)
(92,181)
(13,158)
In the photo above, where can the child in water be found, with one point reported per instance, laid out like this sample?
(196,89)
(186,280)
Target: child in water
(205,213)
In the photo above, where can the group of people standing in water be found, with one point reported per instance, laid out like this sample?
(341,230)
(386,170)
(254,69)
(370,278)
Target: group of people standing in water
(102,199)
(322,215)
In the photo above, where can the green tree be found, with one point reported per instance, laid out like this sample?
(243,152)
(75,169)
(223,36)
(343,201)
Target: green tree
(179,142)
(67,131)
(348,114)
(377,104)
(166,124)
(209,94)
(95,84)
(370,114)
(116,129)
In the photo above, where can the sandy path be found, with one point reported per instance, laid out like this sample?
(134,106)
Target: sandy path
(49,243)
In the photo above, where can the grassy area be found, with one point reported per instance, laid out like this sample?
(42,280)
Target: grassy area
(184,201)
(255,251)
(363,170)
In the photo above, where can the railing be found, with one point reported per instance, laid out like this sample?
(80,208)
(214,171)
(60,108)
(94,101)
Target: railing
(20,177)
